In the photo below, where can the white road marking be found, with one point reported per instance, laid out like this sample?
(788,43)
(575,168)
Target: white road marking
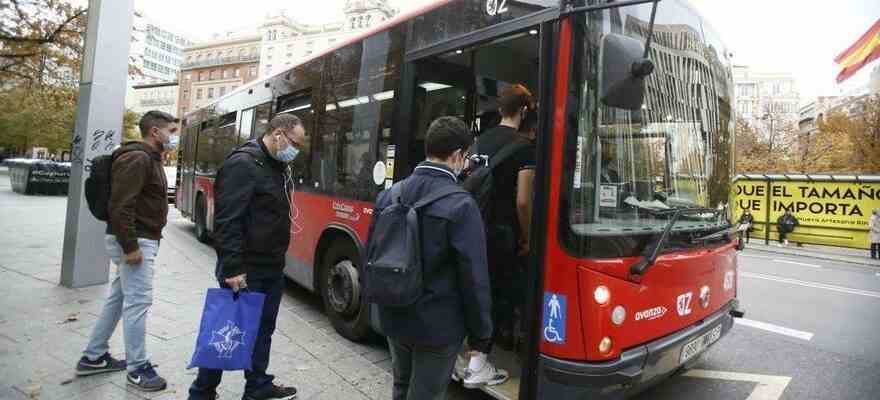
(815,285)
(777,259)
(797,263)
(769,387)
(775,328)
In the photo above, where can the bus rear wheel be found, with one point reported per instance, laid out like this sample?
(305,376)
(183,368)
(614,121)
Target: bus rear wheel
(202,221)
(341,291)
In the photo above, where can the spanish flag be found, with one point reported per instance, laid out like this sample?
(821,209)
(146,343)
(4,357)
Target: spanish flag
(861,53)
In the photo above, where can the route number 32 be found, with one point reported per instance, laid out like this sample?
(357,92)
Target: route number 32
(496,7)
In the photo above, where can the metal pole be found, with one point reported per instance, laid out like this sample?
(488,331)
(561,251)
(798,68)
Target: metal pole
(98,131)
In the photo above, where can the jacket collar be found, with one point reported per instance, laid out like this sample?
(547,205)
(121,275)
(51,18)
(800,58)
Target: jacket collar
(435,169)
(268,156)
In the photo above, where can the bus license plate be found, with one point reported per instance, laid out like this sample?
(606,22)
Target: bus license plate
(699,344)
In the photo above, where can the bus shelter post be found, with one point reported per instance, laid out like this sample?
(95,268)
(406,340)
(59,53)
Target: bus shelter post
(98,131)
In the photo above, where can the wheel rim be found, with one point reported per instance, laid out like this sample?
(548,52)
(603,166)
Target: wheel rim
(343,288)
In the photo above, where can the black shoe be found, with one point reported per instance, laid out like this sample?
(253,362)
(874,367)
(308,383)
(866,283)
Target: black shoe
(146,379)
(105,363)
(271,392)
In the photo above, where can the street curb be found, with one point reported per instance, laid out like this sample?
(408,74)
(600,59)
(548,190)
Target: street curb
(819,256)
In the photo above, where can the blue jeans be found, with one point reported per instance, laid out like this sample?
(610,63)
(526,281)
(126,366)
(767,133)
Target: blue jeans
(130,298)
(208,379)
(421,372)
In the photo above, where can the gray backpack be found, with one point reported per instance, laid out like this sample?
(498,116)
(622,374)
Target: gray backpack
(394,257)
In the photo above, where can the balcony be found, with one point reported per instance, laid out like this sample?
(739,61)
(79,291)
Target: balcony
(156,102)
(212,62)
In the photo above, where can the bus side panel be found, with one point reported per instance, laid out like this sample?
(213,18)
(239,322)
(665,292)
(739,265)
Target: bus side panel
(311,215)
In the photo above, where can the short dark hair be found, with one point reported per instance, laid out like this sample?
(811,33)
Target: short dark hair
(157,119)
(513,98)
(445,136)
(283,121)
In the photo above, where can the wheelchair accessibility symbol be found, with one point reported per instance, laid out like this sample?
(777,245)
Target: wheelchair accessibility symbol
(554,318)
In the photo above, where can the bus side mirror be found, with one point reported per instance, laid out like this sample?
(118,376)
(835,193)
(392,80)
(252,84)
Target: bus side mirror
(624,68)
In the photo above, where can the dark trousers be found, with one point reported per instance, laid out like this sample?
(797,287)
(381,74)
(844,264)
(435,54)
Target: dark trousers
(421,372)
(875,250)
(208,379)
(748,235)
(782,236)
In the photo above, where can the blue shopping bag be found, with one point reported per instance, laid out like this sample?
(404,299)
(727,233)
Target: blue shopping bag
(230,322)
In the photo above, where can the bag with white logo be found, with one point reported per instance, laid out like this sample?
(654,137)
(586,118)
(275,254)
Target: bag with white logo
(228,331)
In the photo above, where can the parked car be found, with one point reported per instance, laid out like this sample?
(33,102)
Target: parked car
(171,175)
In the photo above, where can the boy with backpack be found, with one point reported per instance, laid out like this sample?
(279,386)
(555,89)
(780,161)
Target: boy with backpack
(128,189)
(426,267)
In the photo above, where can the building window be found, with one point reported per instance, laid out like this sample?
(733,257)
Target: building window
(199,94)
(238,72)
(210,93)
(186,94)
(226,74)
(222,90)
(212,75)
(253,70)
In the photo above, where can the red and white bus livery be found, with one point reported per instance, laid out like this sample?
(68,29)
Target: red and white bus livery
(633,268)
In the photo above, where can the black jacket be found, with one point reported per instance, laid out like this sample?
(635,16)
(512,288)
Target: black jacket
(457,299)
(787,223)
(251,214)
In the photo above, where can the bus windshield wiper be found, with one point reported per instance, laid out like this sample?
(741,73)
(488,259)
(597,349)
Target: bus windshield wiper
(716,235)
(654,249)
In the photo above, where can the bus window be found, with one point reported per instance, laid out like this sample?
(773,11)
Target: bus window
(261,121)
(355,128)
(246,124)
(224,139)
(204,165)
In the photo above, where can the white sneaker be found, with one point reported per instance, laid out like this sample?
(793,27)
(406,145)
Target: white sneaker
(487,376)
(460,370)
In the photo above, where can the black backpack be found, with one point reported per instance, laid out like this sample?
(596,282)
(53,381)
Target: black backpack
(97,185)
(480,181)
(394,258)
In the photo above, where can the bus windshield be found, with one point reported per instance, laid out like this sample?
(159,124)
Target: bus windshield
(631,169)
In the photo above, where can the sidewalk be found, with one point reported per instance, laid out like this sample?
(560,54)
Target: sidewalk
(44,326)
(841,254)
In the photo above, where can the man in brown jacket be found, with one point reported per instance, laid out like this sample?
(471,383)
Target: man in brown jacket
(138,211)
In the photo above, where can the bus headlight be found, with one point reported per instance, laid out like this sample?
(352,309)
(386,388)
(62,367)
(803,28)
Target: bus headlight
(618,315)
(602,295)
(605,345)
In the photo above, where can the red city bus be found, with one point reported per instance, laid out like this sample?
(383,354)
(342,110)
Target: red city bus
(633,268)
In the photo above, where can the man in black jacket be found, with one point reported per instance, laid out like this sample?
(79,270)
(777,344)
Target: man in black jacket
(252,232)
(425,337)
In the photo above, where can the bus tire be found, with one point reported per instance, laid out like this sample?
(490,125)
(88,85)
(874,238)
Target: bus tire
(341,291)
(201,218)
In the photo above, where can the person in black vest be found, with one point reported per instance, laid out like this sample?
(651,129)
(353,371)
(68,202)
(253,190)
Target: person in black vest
(786,224)
(746,219)
(252,233)
(426,336)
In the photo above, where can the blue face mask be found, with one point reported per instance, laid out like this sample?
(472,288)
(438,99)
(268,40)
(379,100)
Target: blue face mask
(172,143)
(287,155)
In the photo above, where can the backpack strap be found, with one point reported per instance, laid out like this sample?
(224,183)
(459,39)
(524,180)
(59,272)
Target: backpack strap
(439,194)
(506,152)
(396,190)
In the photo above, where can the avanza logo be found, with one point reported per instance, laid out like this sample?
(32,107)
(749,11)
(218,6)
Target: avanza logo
(651,313)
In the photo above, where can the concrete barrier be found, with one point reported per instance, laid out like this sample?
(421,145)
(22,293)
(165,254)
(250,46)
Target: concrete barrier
(38,177)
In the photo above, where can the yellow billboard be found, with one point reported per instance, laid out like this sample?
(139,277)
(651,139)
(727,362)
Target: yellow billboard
(830,212)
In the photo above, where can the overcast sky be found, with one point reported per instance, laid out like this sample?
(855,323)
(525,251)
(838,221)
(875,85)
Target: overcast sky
(797,36)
